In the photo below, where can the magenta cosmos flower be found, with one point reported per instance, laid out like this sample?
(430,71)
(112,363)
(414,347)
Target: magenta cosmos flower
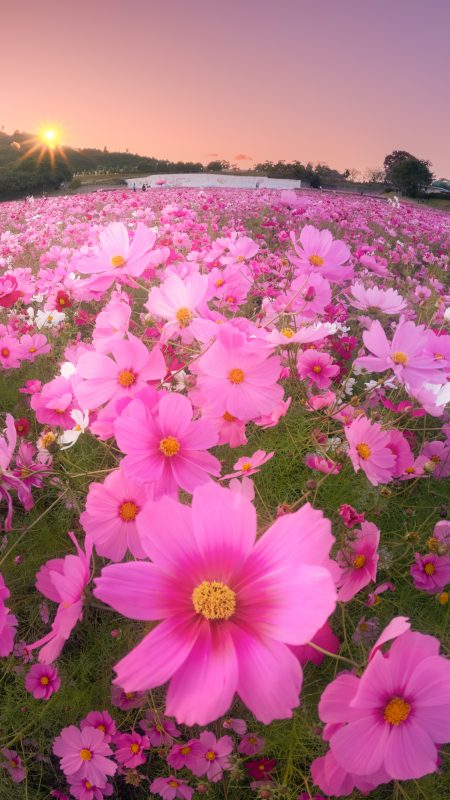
(127,370)
(358,561)
(63,580)
(406,355)
(171,787)
(396,713)
(318,252)
(130,749)
(84,754)
(431,573)
(164,447)
(238,377)
(13,763)
(116,255)
(42,681)
(317,367)
(8,622)
(229,606)
(102,721)
(112,508)
(369,450)
(214,756)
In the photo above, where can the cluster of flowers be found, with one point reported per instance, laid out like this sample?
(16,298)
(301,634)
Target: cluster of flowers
(196,342)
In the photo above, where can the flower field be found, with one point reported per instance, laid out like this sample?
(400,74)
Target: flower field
(224,497)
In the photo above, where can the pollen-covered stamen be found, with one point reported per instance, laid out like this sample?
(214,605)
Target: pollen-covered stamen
(287,332)
(85,754)
(317,369)
(359,561)
(396,711)
(316,261)
(5,352)
(185,750)
(44,681)
(247,466)
(219,282)
(429,568)
(173,784)
(229,417)
(214,600)
(363,450)
(236,375)
(169,446)
(32,349)
(400,358)
(126,378)
(128,511)
(135,747)
(117,261)
(210,755)
(184,317)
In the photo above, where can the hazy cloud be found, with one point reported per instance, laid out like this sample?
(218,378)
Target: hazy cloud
(242,157)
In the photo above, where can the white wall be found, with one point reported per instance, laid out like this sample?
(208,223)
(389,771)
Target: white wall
(201,180)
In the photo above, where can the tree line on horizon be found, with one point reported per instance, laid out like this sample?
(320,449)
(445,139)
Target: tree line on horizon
(22,174)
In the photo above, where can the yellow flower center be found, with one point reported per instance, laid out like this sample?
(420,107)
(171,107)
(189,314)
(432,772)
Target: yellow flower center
(25,472)
(173,784)
(169,446)
(397,711)
(399,357)
(438,356)
(184,317)
(117,261)
(363,450)
(436,459)
(252,739)
(32,349)
(443,598)
(247,466)
(240,259)
(128,511)
(88,785)
(185,750)
(44,681)
(210,755)
(214,600)
(130,695)
(287,332)
(101,728)
(220,282)
(236,375)
(410,470)
(61,301)
(85,754)
(359,561)
(429,568)
(47,439)
(126,377)
(229,417)
(316,261)
(317,369)
(135,747)
(5,352)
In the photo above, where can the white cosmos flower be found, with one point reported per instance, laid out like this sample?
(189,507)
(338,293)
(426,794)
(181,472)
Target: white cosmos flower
(69,437)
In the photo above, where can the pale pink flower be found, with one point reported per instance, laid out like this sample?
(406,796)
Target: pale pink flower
(55,402)
(214,757)
(116,256)
(389,301)
(369,450)
(317,251)
(249,465)
(177,300)
(358,560)
(171,787)
(84,754)
(317,367)
(102,721)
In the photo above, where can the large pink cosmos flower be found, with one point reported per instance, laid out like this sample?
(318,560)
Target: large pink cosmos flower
(372,298)
(318,367)
(117,256)
(406,355)
(63,580)
(238,376)
(54,403)
(108,378)
(369,450)
(229,606)
(395,715)
(112,508)
(164,446)
(359,561)
(318,252)
(84,754)
(177,300)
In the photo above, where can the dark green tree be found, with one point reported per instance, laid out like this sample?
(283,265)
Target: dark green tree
(411,176)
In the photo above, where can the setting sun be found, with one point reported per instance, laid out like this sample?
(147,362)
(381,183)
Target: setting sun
(50,136)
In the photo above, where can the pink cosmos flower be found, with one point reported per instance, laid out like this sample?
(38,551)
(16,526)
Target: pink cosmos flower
(260,769)
(42,681)
(439,454)
(34,345)
(164,447)
(328,774)
(10,352)
(239,250)
(359,561)
(324,638)
(112,508)
(393,717)
(369,450)
(177,301)
(399,447)
(231,430)
(406,355)
(374,597)
(185,754)
(272,419)
(431,573)
(250,465)
(349,515)
(171,787)
(126,700)
(318,251)
(83,789)
(116,256)
(130,749)
(317,367)
(13,763)
(214,757)
(102,721)
(84,754)
(112,323)
(206,567)
(239,726)
(9,291)
(63,580)
(8,622)
(304,335)
(160,730)
(236,375)
(389,301)
(54,403)
(318,401)
(322,464)
(251,744)
(109,378)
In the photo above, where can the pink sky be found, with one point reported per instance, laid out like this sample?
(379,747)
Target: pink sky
(338,81)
